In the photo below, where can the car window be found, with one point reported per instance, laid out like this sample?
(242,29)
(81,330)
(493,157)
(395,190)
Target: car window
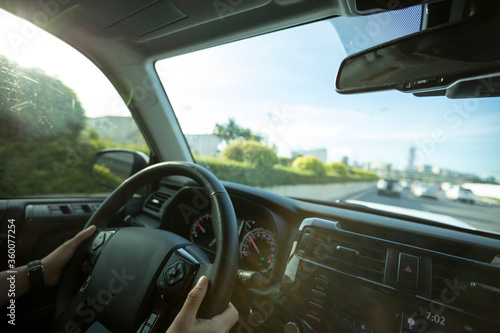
(264,112)
(56,110)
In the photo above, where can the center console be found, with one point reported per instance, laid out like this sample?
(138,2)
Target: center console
(340,281)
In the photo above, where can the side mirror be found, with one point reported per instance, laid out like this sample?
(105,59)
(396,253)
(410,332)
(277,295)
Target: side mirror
(110,167)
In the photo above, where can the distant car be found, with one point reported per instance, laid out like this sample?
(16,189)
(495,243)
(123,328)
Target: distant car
(405,184)
(389,186)
(460,194)
(425,190)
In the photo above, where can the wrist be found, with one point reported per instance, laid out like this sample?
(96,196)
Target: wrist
(36,275)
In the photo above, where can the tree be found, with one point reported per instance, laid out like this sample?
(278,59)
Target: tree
(231,131)
(309,163)
(34,105)
(339,168)
(253,152)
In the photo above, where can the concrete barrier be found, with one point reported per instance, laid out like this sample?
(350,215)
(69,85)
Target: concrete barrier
(484,190)
(326,192)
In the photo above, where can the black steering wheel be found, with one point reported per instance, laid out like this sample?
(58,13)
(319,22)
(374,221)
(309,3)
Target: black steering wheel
(140,276)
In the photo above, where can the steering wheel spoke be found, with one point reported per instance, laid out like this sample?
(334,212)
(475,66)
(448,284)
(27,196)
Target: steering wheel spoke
(98,243)
(172,286)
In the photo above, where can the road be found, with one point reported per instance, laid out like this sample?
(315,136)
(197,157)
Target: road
(481,215)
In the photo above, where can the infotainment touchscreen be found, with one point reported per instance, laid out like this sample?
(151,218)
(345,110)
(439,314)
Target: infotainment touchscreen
(363,309)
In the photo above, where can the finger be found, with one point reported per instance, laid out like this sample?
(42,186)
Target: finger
(83,235)
(194,298)
(229,317)
(74,242)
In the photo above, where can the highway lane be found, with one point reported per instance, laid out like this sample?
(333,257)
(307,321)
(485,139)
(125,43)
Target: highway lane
(481,215)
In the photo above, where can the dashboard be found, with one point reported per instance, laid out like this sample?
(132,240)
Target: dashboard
(255,228)
(188,214)
(324,267)
(331,269)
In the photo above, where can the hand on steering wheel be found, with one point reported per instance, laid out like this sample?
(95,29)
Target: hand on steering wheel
(57,259)
(186,321)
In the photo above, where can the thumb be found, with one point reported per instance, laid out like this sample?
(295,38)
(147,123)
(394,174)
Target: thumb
(194,299)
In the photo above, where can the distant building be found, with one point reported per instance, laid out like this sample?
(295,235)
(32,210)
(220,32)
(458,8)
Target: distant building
(411,159)
(345,160)
(320,153)
(491,179)
(378,165)
(424,168)
(120,130)
(204,144)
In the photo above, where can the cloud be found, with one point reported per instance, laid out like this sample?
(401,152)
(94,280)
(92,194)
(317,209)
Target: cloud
(338,153)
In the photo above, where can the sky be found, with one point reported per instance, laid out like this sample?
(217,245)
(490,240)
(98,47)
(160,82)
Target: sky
(281,86)
(30,46)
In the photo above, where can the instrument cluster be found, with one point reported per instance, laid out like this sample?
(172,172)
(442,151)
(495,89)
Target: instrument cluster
(257,241)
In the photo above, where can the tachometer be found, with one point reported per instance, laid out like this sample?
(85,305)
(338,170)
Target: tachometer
(257,250)
(202,233)
(248,225)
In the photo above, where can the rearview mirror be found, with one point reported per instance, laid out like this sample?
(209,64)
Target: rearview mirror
(432,59)
(110,167)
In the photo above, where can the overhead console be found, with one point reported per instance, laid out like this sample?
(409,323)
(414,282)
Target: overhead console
(344,281)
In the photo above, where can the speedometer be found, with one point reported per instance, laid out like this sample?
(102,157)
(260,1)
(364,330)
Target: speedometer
(258,250)
(202,233)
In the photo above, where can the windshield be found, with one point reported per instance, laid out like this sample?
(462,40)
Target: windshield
(264,112)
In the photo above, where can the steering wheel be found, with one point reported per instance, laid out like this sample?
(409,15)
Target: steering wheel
(141,276)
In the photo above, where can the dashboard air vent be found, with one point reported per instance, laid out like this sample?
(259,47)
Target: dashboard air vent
(467,285)
(349,253)
(156,201)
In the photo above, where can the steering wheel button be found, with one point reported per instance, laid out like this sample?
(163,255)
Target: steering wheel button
(175,273)
(160,283)
(151,319)
(99,240)
(146,329)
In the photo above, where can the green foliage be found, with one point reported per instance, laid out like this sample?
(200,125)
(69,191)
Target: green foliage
(231,131)
(105,176)
(243,173)
(285,161)
(338,168)
(56,166)
(309,163)
(363,174)
(234,152)
(45,167)
(34,105)
(252,152)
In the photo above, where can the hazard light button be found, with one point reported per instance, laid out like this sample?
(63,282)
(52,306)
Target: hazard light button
(408,271)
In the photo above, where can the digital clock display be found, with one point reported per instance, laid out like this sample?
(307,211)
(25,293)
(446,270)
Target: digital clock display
(357,306)
(425,322)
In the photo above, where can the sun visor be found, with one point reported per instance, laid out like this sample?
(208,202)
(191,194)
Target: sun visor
(143,17)
(109,12)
